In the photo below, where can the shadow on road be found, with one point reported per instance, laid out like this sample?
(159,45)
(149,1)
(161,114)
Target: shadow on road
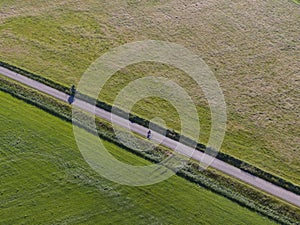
(71,99)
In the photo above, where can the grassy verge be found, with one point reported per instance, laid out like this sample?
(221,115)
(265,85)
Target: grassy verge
(172,134)
(212,180)
(297,1)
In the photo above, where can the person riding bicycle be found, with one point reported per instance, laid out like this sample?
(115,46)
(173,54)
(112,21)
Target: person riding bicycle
(72,90)
(149,134)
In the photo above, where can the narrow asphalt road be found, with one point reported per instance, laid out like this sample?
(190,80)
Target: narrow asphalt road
(197,155)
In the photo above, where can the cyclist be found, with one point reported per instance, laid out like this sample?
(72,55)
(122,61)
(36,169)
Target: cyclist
(149,134)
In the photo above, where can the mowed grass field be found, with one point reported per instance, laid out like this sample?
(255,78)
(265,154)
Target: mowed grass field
(44,180)
(253,49)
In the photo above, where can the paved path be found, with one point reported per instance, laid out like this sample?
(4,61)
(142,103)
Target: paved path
(197,155)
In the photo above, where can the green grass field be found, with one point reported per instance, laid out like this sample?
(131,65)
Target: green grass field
(252,48)
(44,180)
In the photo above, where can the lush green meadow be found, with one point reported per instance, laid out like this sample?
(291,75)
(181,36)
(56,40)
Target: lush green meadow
(253,50)
(44,180)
